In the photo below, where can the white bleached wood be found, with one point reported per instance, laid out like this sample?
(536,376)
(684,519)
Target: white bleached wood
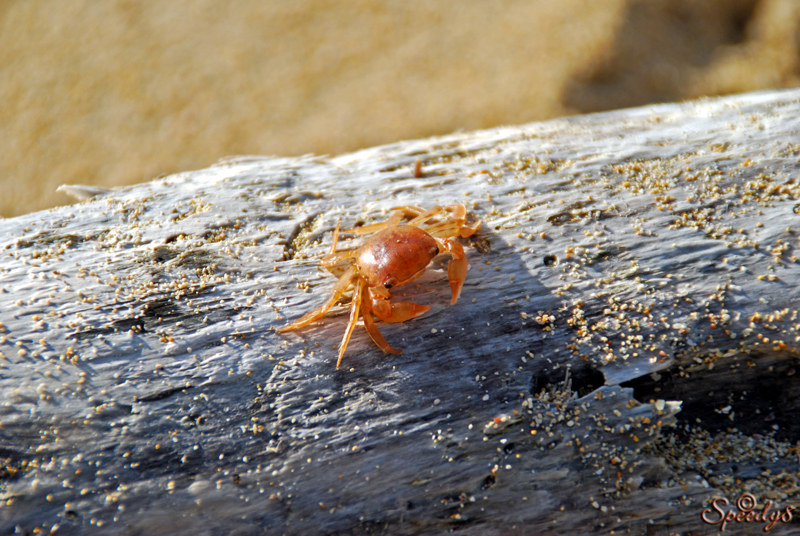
(143,388)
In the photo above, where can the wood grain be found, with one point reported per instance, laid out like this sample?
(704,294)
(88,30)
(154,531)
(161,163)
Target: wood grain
(627,262)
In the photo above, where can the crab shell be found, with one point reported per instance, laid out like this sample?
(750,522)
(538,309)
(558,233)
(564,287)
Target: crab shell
(395,256)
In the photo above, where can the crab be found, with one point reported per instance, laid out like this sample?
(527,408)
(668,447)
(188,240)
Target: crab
(396,254)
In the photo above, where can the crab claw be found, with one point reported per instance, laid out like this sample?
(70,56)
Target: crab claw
(466,232)
(397,312)
(457,269)
(366,312)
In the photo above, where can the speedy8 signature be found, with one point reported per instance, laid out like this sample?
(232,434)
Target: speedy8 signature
(747,513)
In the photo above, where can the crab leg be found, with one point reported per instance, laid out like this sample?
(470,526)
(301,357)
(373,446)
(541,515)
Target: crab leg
(459,211)
(335,238)
(414,210)
(425,216)
(366,313)
(445,229)
(442,228)
(394,219)
(457,268)
(317,313)
(335,257)
(332,259)
(357,297)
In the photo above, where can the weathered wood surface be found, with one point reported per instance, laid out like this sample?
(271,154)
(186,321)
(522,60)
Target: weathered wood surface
(144,390)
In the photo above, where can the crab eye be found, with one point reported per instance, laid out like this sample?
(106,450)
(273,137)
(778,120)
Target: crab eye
(434,251)
(389,283)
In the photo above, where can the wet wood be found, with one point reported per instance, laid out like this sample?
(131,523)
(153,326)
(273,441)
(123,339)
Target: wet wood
(627,263)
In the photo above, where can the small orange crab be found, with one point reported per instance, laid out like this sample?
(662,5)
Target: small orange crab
(395,255)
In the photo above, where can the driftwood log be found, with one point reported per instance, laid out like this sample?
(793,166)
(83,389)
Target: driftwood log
(623,352)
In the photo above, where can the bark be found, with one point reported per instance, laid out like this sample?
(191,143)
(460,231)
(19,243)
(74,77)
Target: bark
(629,265)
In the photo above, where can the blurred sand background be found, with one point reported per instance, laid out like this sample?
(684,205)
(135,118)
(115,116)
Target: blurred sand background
(116,92)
